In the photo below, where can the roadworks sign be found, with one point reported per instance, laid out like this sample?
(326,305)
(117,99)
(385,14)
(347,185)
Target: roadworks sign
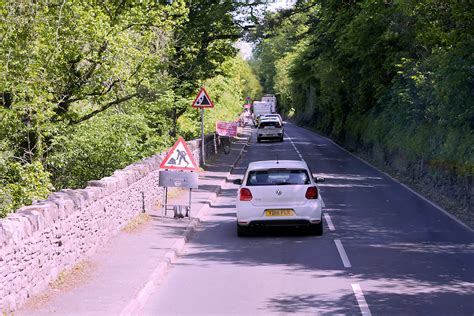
(179,158)
(203,100)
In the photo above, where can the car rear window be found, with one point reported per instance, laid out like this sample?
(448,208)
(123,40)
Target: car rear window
(277,177)
(269,124)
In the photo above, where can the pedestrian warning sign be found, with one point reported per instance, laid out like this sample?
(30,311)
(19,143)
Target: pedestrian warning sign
(203,100)
(179,158)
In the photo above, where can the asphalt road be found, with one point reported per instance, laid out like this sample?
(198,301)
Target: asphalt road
(384,251)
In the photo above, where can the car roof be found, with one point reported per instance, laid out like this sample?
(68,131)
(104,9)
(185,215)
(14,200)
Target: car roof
(270,164)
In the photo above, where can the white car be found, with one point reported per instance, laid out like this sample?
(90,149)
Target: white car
(279,193)
(270,128)
(274,115)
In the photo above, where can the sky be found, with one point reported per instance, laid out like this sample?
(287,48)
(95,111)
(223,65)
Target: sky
(245,47)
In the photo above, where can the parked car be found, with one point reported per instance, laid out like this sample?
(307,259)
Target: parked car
(270,128)
(279,193)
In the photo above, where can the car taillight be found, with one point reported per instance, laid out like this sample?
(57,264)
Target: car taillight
(311,193)
(245,194)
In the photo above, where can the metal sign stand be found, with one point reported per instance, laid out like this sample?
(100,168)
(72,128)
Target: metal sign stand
(177,209)
(178,179)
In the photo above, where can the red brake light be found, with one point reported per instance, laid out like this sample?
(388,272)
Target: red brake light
(245,194)
(311,193)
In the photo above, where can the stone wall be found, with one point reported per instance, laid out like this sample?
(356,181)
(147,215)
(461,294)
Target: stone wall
(40,241)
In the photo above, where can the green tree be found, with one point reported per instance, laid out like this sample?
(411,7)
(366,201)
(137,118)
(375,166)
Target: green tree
(88,87)
(392,76)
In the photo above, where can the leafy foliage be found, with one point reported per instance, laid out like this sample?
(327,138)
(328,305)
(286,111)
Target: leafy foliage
(20,184)
(390,74)
(91,86)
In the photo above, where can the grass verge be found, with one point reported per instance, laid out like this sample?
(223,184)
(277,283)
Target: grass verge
(136,222)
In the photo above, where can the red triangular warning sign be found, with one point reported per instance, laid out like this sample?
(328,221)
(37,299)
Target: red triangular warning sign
(203,100)
(179,158)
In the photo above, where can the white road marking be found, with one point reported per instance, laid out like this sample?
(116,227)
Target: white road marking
(329,221)
(439,208)
(294,146)
(342,253)
(364,308)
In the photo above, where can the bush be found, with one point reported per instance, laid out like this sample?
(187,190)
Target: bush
(96,149)
(21,183)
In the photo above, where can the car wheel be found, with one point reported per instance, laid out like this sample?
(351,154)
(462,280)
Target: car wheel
(242,231)
(258,140)
(281,139)
(316,229)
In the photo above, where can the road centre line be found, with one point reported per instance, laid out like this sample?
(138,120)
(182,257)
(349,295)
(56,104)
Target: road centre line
(294,146)
(342,253)
(329,221)
(364,307)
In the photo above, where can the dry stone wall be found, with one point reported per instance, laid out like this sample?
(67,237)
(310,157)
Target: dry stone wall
(40,241)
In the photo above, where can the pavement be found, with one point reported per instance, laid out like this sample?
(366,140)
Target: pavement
(120,277)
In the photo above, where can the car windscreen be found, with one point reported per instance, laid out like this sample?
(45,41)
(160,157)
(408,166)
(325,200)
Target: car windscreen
(277,177)
(266,124)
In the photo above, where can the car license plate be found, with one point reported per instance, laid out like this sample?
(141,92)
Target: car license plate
(285,212)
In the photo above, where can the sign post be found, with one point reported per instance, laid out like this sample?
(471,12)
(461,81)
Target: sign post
(202,101)
(203,151)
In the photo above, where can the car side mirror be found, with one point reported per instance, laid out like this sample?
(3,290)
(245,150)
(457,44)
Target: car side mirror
(237,181)
(319,179)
